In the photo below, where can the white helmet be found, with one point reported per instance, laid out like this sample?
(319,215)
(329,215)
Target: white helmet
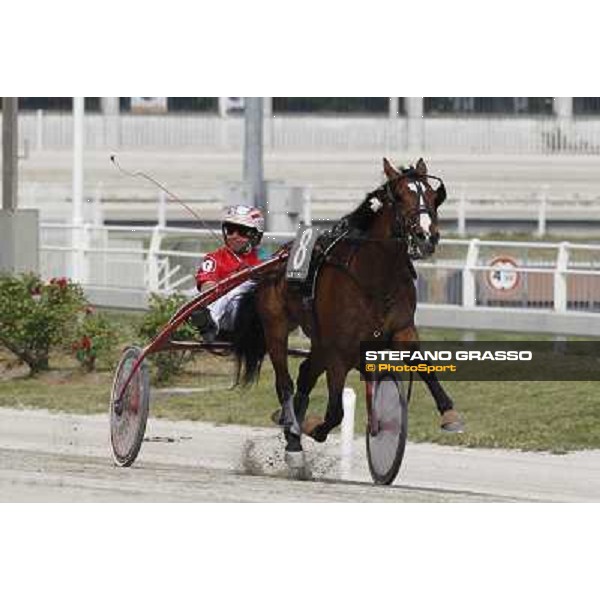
(246,216)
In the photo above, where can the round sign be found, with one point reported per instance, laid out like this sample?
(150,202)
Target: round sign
(503,276)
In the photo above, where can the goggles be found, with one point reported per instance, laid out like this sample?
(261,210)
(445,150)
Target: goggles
(231,228)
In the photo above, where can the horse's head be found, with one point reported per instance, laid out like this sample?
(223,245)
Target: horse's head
(415,206)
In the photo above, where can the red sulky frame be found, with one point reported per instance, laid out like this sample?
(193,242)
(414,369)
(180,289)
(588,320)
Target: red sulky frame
(163,342)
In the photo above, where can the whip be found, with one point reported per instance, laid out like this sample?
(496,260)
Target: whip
(170,194)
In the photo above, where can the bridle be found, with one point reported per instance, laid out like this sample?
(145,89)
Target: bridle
(404,231)
(407,228)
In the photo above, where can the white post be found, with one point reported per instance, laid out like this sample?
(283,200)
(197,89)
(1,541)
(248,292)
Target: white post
(77,195)
(560,278)
(462,210)
(347,436)
(223,125)
(415,129)
(469,288)
(223,107)
(306,206)
(391,130)
(39,130)
(162,209)
(153,266)
(253,152)
(268,122)
(10,158)
(78,112)
(542,211)
(563,108)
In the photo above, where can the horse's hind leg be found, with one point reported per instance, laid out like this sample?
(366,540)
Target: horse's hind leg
(451,420)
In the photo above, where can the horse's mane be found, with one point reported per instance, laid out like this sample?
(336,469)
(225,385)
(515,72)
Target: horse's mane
(362,216)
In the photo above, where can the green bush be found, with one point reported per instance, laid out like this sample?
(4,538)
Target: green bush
(161,309)
(36,317)
(96,338)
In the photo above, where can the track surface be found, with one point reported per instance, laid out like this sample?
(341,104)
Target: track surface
(56,457)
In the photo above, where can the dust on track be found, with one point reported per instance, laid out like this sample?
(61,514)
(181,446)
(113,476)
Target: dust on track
(65,457)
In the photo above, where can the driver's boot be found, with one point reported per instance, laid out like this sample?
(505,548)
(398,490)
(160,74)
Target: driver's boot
(204,323)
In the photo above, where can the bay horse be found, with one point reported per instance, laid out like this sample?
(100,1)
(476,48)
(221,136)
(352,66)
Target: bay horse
(364,291)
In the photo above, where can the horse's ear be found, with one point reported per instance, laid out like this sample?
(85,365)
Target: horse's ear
(421,168)
(389,169)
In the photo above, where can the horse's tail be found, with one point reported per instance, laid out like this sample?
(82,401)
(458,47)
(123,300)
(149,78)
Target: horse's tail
(249,344)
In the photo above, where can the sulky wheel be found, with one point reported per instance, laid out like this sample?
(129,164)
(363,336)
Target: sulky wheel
(129,413)
(386,434)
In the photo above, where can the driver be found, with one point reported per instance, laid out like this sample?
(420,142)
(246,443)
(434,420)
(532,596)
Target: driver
(243,228)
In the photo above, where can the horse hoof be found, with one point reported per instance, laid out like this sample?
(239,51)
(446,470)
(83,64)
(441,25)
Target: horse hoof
(318,433)
(452,423)
(310,424)
(294,460)
(297,467)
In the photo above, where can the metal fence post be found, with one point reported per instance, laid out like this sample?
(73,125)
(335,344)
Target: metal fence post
(268,122)
(306,205)
(162,209)
(560,278)
(415,124)
(391,131)
(254,151)
(462,210)
(152,269)
(469,289)
(77,252)
(223,107)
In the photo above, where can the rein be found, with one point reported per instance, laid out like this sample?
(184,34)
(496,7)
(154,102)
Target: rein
(400,234)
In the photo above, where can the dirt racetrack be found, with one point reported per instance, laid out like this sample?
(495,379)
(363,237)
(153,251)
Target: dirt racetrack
(66,458)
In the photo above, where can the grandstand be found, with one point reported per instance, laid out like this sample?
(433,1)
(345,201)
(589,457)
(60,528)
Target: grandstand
(510,153)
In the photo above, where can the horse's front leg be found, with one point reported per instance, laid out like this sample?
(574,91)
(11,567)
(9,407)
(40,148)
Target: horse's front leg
(277,348)
(451,419)
(336,378)
(308,374)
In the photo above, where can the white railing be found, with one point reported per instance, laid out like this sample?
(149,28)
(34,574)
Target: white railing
(561,277)
(558,278)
